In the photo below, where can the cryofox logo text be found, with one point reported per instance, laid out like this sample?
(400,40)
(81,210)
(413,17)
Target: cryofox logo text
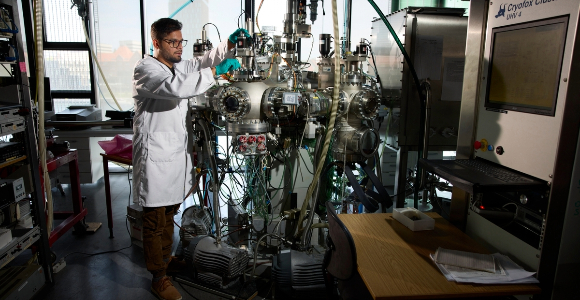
(501,12)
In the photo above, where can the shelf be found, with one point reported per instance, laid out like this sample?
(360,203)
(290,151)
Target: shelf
(21,240)
(479,176)
(10,162)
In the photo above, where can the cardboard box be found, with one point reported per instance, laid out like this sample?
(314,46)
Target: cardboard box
(413,219)
(135,217)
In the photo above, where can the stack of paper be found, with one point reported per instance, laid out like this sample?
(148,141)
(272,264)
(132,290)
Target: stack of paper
(467,267)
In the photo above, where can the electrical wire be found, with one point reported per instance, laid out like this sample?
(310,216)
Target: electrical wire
(218,31)
(98,64)
(257,13)
(105,252)
(258,246)
(243,12)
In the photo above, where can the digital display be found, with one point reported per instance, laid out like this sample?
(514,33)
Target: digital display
(525,65)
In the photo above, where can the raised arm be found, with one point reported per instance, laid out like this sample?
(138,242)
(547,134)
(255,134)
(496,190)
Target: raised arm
(151,80)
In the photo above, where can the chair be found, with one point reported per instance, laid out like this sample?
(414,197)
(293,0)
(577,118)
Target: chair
(340,261)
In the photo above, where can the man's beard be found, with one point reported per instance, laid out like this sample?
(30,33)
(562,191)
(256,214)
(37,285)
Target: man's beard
(170,58)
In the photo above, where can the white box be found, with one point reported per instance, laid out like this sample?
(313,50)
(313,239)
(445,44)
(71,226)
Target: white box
(404,215)
(136,228)
(5,237)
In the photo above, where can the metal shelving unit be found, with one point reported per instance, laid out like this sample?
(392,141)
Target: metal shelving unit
(37,236)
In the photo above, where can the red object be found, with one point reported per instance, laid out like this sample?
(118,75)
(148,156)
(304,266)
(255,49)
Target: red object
(261,147)
(261,138)
(251,139)
(481,206)
(243,148)
(242,139)
(79,212)
(121,145)
(477,145)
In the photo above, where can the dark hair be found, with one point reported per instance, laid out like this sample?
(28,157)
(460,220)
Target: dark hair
(163,27)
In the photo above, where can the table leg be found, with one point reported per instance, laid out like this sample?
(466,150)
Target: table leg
(75,185)
(108,197)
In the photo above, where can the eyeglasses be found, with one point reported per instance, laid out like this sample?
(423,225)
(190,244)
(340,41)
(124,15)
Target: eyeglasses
(175,43)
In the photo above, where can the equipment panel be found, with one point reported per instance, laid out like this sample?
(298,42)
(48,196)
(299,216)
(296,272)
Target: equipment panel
(525,73)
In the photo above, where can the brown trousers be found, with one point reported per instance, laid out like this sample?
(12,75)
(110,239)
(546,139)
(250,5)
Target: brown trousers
(158,237)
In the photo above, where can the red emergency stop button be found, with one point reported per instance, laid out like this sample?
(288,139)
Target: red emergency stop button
(477,145)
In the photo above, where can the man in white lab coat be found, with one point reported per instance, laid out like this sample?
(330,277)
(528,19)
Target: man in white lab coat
(162,164)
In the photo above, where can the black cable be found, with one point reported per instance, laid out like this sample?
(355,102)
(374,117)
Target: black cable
(218,31)
(129,181)
(192,296)
(374,63)
(243,12)
(305,165)
(110,251)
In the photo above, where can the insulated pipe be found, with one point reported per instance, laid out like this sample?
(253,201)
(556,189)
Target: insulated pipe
(306,237)
(187,2)
(99,65)
(40,93)
(333,112)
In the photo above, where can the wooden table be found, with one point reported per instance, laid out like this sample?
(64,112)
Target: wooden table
(106,159)
(394,261)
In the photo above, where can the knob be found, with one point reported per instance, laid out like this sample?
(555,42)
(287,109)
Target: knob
(499,150)
(477,145)
(523,199)
(490,148)
(484,145)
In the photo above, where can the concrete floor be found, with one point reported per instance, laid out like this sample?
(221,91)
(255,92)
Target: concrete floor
(119,275)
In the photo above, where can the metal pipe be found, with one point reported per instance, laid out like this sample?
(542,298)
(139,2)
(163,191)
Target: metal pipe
(426,133)
(348,21)
(143,28)
(291,6)
(291,9)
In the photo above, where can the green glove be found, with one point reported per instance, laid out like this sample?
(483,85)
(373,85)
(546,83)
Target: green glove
(234,36)
(227,65)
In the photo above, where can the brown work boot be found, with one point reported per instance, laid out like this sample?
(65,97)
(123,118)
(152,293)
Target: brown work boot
(164,289)
(175,265)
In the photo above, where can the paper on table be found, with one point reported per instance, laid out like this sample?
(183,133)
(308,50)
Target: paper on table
(513,274)
(469,260)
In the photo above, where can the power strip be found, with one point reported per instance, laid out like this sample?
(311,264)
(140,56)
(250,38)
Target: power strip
(494,212)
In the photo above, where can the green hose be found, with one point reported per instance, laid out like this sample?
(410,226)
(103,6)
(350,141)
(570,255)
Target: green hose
(422,97)
(407,58)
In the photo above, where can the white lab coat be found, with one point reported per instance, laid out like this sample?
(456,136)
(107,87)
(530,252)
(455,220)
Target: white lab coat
(162,160)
